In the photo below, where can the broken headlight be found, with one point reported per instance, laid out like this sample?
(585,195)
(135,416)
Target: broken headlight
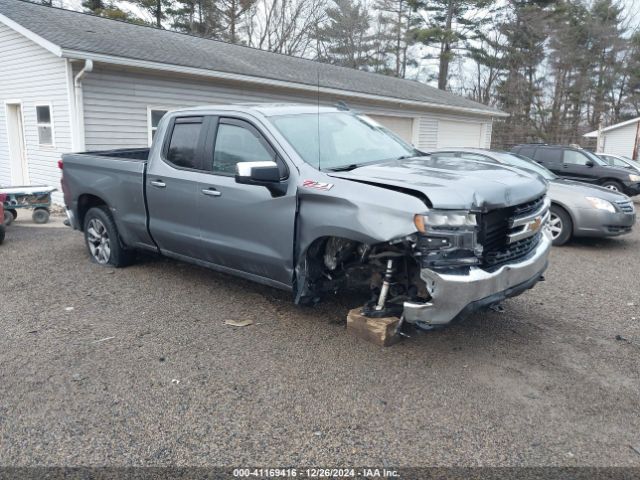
(448,239)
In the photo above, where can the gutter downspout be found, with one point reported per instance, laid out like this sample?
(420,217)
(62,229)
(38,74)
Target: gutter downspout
(77,84)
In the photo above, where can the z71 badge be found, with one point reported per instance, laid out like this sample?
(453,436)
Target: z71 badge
(317,185)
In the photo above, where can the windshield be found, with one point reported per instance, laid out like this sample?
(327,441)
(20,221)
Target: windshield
(596,159)
(519,161)
(346,140)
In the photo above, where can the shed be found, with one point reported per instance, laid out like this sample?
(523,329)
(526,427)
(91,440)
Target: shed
(619,139)
(70,81)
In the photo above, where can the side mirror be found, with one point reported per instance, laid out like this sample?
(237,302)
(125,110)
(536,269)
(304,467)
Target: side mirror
(589,163)
(266,174)
(257,173)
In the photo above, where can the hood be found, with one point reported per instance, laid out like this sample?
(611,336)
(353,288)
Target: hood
(585,189)
(453,183)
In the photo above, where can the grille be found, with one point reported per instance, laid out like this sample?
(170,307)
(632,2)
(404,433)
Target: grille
(494,231)
(514,251)
(625,206)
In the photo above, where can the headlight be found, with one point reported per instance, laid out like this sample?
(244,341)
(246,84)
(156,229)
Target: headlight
(601,204)
(634,178)
(443,219)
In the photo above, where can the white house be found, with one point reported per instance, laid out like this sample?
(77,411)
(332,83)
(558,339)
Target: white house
(71,82)
(620,139)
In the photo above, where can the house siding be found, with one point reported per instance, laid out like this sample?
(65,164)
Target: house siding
(116,101)
(32,75)
(620,141)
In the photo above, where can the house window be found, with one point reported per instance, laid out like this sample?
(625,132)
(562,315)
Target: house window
(45,125)
(155,115)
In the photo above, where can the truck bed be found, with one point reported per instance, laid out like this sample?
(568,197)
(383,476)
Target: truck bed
(117,178)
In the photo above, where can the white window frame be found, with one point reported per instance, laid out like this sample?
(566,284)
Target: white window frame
(50,124)
(150,127)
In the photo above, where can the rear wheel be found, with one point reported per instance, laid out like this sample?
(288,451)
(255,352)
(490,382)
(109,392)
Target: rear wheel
(560,225)
(40,215)
(612,185)
(102,239)
(7,218)
(14,213)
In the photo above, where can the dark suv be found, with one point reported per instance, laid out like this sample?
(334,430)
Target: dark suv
(581,165)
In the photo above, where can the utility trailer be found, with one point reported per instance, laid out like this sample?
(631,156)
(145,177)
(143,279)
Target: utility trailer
(37,198)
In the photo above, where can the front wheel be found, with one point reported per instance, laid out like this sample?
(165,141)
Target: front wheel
(102,239)
(612,185)
(560,225)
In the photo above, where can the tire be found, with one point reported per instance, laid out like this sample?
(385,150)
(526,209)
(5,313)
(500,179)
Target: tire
(40,216)
(7,219)
(102,239)
(613,185)
(560,225)
(1,234)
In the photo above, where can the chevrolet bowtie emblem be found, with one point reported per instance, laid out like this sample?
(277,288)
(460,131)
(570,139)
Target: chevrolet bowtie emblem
(535,224)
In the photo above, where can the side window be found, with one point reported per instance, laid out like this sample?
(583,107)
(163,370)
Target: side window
(573,157)
(235,144)
(619,163)
(550,156)
(183,146)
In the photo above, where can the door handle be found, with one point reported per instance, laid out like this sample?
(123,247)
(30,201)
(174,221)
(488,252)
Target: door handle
(212,192)
(158,183)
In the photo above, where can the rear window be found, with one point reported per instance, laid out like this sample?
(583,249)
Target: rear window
(183,146)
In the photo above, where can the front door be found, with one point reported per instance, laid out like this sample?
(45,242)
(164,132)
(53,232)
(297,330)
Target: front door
(577,166)
(245,228)
(17,151)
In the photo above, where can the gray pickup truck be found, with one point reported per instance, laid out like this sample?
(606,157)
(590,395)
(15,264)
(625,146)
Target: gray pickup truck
(312,200)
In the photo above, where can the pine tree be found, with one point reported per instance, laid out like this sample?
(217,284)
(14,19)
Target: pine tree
(345,39)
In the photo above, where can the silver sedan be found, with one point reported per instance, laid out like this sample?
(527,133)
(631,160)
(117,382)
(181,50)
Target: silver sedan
(577,209)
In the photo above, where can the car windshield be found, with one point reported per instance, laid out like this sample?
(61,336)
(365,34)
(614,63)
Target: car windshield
(596,159)
(346,140)
(519,161)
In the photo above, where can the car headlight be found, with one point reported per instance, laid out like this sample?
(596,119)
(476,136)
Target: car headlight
(444,219)
(601,204)
(634,178)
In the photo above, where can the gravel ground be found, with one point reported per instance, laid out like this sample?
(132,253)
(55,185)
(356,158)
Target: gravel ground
(136,367)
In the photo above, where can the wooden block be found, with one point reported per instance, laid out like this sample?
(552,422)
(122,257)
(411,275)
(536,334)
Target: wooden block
(377,330)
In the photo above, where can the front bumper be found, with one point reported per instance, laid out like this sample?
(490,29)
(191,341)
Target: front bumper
(451,294)
(590,222)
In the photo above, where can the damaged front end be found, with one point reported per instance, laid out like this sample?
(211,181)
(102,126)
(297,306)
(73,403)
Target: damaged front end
(455,262)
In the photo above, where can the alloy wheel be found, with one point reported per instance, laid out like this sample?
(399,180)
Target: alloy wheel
(555,226)
(613,188)
(98,241)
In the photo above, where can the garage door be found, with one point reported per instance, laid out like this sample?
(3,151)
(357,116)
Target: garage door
(459,134)
(401,126)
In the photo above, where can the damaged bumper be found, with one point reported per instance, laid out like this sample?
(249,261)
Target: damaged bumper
(453,294)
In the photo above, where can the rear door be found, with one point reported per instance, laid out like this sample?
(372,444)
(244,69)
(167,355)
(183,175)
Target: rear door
(245,228)
(172,187)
